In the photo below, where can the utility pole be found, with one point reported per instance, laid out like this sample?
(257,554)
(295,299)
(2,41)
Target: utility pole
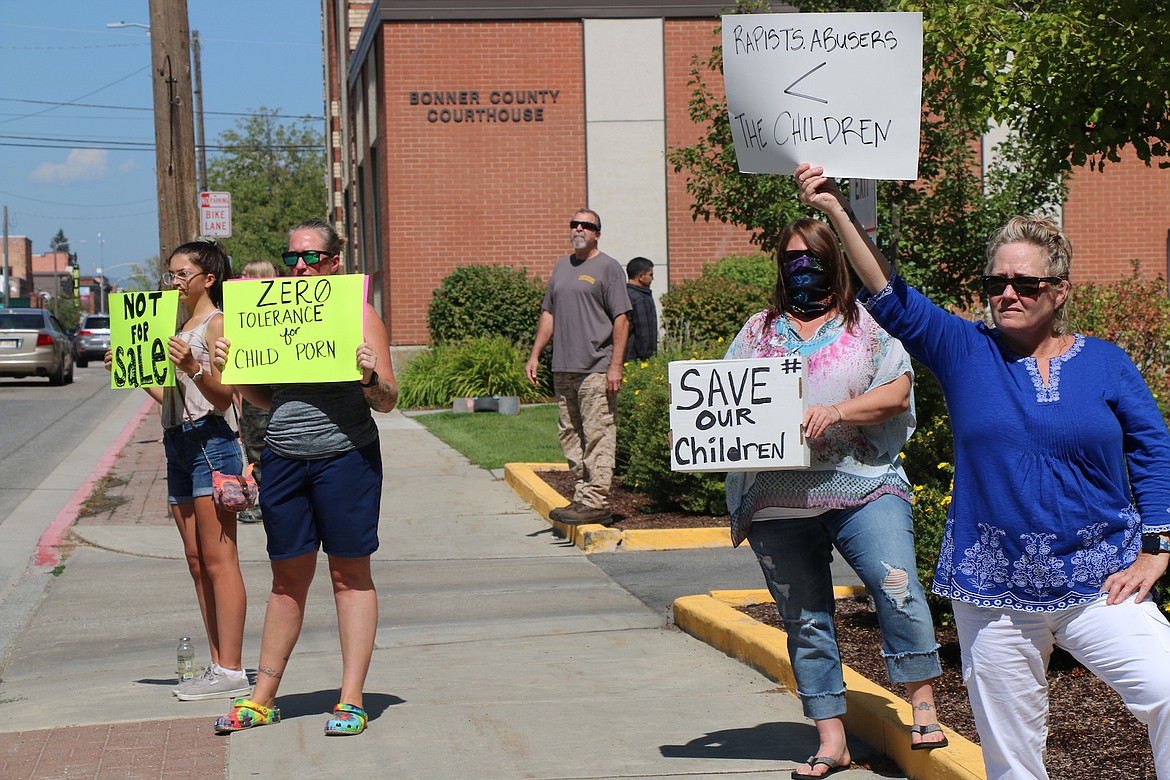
(174,123)
(200,147)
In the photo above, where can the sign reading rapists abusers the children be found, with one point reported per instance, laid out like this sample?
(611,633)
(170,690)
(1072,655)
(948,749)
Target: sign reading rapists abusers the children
(293,329)
(737,415)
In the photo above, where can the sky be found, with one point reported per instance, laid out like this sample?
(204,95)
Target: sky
(76,118)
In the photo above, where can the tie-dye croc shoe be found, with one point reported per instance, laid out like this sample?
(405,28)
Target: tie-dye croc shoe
(246,714)
(347,719)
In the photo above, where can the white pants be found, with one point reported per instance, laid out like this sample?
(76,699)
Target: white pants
(1005,660)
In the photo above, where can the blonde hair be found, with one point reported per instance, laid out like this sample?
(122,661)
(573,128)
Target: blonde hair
(259,269)
(1042,232)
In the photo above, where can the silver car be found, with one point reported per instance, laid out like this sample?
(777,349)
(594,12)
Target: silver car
(92,339)
(33,343)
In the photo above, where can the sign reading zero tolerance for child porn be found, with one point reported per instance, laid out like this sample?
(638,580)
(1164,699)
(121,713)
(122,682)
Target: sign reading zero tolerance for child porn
(737,415)
(841,90)
(294,329)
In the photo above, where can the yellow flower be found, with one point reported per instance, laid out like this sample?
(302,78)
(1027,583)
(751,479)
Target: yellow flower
(637,392)
(919,488)
(647,365)
(947,499)
(944,465)
(721,338)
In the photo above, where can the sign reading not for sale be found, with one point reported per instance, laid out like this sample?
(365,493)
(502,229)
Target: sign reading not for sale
(737,415)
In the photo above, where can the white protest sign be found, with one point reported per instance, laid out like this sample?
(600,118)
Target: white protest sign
(737,415)
(840,90)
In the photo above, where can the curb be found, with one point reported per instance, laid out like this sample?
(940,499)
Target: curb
(594,538)
(875,715)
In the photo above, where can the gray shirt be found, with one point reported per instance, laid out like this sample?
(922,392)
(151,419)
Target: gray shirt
(584,298)
(319,420)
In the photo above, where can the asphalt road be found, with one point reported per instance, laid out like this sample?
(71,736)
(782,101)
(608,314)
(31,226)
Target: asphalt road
(40,426)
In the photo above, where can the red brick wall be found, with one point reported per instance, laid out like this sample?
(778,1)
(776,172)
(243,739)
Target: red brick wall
(479,193)
(1115,216)
(691,243)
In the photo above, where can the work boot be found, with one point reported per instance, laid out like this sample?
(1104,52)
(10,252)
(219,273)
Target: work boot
(556,513)
(586,515)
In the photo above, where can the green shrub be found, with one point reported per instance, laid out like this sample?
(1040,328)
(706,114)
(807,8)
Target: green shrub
(1134,314)
(486,300)
(756,271)
(709,308)
(643,451)
(475,367)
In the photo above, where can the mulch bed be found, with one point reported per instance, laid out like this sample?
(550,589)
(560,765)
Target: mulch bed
(633,510)
(1091,733)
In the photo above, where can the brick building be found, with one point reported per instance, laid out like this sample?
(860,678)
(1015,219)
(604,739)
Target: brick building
(469,133)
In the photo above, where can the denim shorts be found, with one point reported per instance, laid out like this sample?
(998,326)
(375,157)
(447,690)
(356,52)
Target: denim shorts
(188,467)
(326,503)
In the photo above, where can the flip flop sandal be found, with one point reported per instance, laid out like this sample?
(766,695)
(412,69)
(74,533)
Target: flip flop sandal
(245,714)
(922,731)
(832,765)
(347,719)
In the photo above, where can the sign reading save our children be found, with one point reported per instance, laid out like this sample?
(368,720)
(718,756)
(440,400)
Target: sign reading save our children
(737,415)
(840,90)
(141,325)
(293,329)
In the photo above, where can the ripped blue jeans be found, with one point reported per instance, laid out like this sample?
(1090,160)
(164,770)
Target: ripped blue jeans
(877,540)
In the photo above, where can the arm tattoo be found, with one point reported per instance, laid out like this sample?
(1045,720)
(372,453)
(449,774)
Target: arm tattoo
(382,396)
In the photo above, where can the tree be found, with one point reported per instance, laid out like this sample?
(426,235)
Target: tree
(935,228)
(145,276)
(59,243)
(1079,79)
(275,172)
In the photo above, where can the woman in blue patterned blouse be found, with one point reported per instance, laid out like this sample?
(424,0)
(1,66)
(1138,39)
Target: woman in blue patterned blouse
(1057,529)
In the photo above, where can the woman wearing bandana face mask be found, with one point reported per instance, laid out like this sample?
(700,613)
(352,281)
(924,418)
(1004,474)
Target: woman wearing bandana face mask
(854,497)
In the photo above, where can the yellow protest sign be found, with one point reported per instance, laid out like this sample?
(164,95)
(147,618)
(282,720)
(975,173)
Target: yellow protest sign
(293,329)
(141,323)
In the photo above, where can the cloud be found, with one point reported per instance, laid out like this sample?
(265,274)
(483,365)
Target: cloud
(131,164)
(80,165)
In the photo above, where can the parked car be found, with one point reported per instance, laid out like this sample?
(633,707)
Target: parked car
(92,339)
(33,343)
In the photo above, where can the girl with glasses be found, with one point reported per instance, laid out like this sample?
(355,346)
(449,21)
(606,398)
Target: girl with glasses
(1057,527)
(197,440)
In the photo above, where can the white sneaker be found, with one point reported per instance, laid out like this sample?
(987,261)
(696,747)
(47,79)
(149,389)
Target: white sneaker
(216,685)
(188,683)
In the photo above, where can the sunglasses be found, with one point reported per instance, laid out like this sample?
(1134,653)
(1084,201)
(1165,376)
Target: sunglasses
(181,276)
(1028,286)
(310,256)
(574,224)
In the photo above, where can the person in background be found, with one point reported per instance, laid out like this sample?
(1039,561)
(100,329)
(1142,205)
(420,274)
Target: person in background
(643,340)
(253,419)
(197,440)
(322,490)
(854,497)
(1059,521)
(585,313)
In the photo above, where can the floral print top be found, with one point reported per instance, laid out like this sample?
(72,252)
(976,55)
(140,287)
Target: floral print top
(851,464)
(1054,483)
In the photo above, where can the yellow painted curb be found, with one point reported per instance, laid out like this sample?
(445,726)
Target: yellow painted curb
(529,486)
(874,714)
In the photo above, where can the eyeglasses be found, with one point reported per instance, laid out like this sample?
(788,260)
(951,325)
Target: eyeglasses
(180,276)
(574,224)
(310,256)
(1028,286)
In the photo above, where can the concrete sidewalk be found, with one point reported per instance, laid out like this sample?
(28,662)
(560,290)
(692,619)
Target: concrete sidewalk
(502,652)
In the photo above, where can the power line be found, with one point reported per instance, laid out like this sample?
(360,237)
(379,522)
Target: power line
(79,97)
(295,117)
(78,205)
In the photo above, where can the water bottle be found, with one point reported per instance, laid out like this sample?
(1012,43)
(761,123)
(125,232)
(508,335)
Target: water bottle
(185,668)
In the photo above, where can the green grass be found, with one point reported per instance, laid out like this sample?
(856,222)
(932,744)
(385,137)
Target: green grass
(490,440)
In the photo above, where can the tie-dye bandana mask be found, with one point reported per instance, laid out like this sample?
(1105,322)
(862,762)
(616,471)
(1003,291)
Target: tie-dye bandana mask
(806,283)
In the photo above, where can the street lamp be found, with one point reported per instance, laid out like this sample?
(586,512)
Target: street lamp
(197,74)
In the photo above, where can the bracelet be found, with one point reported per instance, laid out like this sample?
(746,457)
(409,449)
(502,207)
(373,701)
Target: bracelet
(840,417)
(374,380)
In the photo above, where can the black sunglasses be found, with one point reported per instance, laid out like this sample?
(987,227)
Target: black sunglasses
(585,225)
(310,256)
(1028,286)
